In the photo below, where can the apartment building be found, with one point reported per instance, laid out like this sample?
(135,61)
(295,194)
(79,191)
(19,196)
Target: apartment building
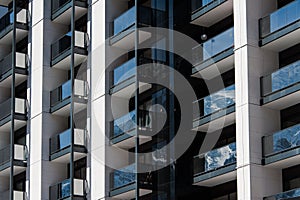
(88,109)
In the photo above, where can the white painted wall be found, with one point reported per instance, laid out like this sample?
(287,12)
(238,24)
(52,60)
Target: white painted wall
(253,121)
(97,112)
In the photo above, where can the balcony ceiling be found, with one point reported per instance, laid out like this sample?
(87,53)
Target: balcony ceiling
(5,2)
(213,16)
(285,163)
(7,39)
(285,101)
(65,17)
(284,42)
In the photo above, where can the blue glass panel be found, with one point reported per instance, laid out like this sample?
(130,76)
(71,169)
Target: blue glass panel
(206,2)
(286,76)
(11,18)
(66,90)
(219,100)
(61,45)
(6,20)
(124,71)
(287,138)
(65,188)
(285,16)
(280,18)
(218,44)
(124,21)
(220,157)
(3,11)
(69,34)
(124,124)
(124,176)
(291,194)
(65,139)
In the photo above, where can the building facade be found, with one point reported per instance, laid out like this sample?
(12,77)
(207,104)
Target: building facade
(149,99)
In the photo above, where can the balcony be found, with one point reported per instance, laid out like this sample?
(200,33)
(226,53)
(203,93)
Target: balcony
(282,149)
(5,2)
(124,129)
(124,26)
(20,158)
(216,166)
(124,79)
(123,183)
(20,114)
(218,108)
(18,195)
(291,194)
(60,146)
(217,51)
(62,190)
(62,10)
(281,89)
(208,12)
(6,26)
(21,71)
(281,29)
(61,50)
(60,98)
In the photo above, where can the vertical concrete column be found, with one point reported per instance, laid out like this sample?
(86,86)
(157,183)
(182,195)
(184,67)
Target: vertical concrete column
(42,125)
(254,181)
(36,99)
(97,111)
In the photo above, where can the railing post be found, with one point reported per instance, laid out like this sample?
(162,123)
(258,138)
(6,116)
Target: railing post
(137,191)
(72,98)
(12,130)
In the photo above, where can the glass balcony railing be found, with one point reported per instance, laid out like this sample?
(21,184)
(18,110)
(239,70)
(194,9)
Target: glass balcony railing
(148,17)
(6,63)
(215,102)
(123,177)
(198,4)
(64,91)
(214,46)
(20,107)
(58,4)
(126,176)
(63,140)
(129,69)
(20,153)
(63,190)
(281,79)
(124,72)
(8,18)
(125,21)
(280,19)
(61,93)
(127,122)
(214,159)
(64,43)
(281,141)
(291,194)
